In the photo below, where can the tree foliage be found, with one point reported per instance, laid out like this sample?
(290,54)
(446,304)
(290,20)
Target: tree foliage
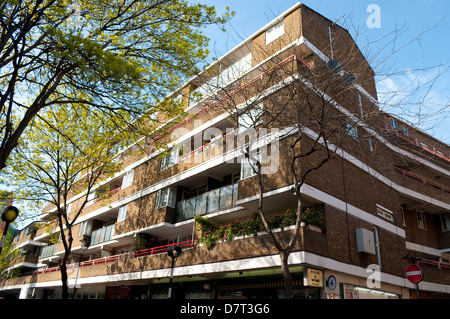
(120,56)
(61,155)
(8,258)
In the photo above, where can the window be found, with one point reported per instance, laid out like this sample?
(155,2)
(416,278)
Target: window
(405,129)
(122,213)
(421,220)
(251,118)
(171,158)
(248,167)
(235,70)
(352,131)
(370,143)
(274,32)
(128,179)
(85,228)
(402,209)
(361,111)
(445,221)
(90,199)
(166,197)
(203,91)
(385,213)
(393,123)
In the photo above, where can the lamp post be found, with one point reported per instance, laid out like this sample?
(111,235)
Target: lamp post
(85,242)
(9,215)
(174,252)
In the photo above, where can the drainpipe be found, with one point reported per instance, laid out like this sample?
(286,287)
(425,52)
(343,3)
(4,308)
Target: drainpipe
(377,246)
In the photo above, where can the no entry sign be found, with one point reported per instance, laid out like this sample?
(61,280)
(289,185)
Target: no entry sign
(414,274)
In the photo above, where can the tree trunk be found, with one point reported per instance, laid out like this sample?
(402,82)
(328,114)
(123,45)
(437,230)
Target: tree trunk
(284,256)
(65,286)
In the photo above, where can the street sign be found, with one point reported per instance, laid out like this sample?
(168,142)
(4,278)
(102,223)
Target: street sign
(331,282)
(414,273)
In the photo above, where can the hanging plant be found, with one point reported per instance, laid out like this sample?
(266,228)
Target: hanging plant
(314,216)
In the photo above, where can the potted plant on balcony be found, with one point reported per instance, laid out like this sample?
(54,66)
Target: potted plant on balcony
(313,218)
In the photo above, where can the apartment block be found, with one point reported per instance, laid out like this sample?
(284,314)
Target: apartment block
(380,201)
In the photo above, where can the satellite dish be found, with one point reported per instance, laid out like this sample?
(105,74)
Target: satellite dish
(334,66)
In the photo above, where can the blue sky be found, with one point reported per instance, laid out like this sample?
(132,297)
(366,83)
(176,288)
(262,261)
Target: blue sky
(422,28)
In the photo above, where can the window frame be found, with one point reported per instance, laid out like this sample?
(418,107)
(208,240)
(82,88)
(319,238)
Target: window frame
(445,222)
(128,179)
(385,213)
(246,163)
(421,219)
(274,32)
(169,199)
(122,215)
(352,131)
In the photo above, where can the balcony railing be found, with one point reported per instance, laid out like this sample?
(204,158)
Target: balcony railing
(103,234)
(229,95)
(48,251)
(209,202)
(422,179)
(418,142)
(141,253)
(109,193)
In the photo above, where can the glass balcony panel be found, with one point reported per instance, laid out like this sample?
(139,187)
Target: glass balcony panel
(48,251)
(103,234)
(226,196)
(213,200)
(190,206)
(202,201)
(181,211)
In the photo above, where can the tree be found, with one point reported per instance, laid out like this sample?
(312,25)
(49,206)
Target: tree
(316,106)
(63,154)
(8,258)
(118,57)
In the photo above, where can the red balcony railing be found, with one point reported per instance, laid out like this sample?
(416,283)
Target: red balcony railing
(422,179)
(418,142)
(162,249)
(140,253)
(229,95)
(438,264)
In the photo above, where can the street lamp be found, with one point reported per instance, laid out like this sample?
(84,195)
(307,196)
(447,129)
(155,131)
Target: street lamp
(9,215)
(174,252)
(85,242)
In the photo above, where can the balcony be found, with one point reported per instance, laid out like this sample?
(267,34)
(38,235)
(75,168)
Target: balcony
(405,135)
(48,251)
(103,234)
(212,201)
(141,253)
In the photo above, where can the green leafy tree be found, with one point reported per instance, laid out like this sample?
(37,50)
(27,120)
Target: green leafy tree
(112,56)
(63,154)
(8,258)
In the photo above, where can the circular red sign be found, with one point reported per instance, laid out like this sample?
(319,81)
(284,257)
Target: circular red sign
(414,273)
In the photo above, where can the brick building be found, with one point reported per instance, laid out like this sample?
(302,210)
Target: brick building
(384,194)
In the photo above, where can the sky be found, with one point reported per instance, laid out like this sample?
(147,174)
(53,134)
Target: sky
(422,27)
(419,70)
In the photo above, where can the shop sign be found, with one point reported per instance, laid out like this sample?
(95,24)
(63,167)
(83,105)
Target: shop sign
(313,277)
